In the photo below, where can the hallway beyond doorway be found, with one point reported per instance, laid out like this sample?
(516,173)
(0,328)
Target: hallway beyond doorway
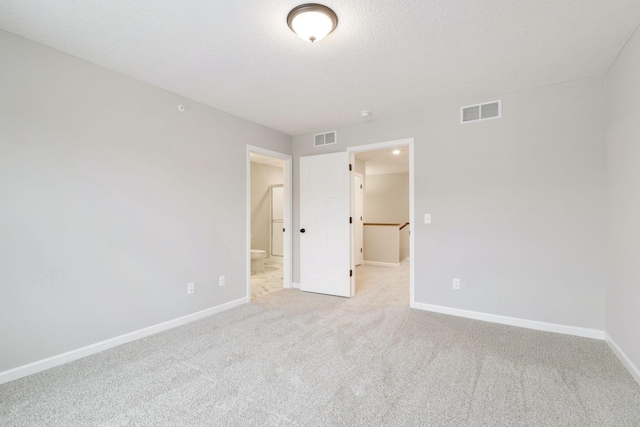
(383,285)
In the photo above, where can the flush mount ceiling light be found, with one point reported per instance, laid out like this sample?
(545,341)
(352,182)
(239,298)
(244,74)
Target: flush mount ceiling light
(396,152)
(311,21)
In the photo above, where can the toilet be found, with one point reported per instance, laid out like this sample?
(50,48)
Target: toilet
(257,255)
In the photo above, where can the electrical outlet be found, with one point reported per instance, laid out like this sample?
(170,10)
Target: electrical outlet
(427,218)
(456,284)
(191,288)
(221,280)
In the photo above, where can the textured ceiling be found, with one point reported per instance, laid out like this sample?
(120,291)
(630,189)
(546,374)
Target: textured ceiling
(387,56)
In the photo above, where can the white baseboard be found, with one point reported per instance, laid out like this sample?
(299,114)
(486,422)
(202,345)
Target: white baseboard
(633,369)
(69,356)
(381,264)
(295,285)
(513,321)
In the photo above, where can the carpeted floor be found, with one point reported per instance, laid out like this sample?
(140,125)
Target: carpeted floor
(293,358)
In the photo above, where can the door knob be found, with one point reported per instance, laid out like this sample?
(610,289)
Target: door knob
(302,230)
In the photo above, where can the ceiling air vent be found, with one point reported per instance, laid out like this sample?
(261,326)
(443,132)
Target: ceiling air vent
(324,139)
(486,111)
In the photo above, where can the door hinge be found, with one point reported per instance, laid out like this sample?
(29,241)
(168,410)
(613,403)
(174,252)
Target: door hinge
(349,166)
(350,273)
(350,220)
(360,249)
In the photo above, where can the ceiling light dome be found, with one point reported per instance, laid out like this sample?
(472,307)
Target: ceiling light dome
(311,21)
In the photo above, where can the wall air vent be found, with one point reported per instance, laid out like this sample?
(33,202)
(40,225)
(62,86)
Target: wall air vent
(327,138)
(479,112)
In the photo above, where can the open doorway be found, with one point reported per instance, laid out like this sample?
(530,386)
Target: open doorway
(268,221)
(382,235)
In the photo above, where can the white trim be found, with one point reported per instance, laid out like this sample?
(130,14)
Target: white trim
(79,353)
(513,321)
(295,285)
(381,264)
(287,222)
(633,369)
(352,213)
(412,223)
(380,145)
(357,221)
(412,226)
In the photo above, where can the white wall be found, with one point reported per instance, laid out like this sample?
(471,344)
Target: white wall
(262,178)
(405,244)
(110,202)
(518,204)
(623,192)
(386,198)
(382,243)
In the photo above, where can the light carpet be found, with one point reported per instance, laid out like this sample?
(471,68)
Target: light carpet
(294,358)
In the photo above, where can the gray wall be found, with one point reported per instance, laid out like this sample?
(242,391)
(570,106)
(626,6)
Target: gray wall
(262,178)
(623,214)
(518,204)
(110,202)
(386,198)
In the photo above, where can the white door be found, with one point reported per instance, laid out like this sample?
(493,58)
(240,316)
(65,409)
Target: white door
(357,220)
(325,231)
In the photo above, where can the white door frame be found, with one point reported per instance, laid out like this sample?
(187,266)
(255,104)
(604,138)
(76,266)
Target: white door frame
(287,222)
(407,142)
(358,222)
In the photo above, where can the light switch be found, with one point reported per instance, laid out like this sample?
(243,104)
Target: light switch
(427,218)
